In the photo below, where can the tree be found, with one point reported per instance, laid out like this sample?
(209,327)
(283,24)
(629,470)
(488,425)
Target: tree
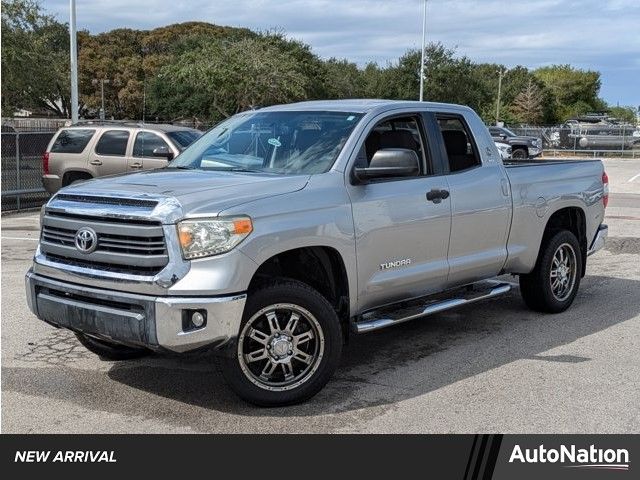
(527,106)
(35,59)
(574,91)
(625,114)
(225,77)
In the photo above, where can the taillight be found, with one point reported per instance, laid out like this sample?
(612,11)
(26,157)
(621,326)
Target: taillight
(45,163)
(605,188)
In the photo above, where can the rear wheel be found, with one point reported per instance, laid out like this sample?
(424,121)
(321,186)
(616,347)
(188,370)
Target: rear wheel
(520,154)
(109,350)
(288,346)
(553,284)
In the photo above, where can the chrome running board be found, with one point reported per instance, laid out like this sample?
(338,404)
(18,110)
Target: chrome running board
(420,307)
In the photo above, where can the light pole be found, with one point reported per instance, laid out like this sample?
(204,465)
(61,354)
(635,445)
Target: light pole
(424,34)
(102,82)
(501,73)
(74,61)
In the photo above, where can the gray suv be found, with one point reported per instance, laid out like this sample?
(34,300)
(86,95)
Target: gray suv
(94,149)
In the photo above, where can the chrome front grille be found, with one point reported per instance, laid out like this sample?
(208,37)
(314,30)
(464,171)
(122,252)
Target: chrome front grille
(128,246)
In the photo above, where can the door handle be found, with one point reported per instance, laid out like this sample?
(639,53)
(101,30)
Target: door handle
(437,195)
(136,165)
(95,162)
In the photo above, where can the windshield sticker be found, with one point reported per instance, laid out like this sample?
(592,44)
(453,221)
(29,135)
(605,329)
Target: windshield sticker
(350,118)
(275,142)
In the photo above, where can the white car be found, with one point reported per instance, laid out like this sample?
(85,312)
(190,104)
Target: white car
(504,149)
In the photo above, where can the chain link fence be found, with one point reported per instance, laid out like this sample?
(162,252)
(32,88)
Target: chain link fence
(22,169)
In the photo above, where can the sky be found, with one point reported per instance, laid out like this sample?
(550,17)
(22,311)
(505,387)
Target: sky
(602,35)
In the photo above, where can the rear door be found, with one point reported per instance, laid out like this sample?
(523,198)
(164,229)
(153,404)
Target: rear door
(142,156)
(111,151)
(401,236)
(480,204)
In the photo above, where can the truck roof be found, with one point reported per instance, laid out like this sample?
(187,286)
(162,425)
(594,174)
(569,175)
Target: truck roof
(363,105)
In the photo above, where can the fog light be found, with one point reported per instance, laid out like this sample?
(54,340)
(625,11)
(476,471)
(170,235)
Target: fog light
(197,319)
(193,319)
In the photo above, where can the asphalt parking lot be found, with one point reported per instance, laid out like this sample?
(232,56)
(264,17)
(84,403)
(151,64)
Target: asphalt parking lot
(489,367)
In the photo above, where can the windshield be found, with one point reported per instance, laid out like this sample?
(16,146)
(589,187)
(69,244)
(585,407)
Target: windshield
(183,138)
(288,143)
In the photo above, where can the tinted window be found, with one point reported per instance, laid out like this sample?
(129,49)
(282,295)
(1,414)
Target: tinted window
(285,143)
(113,142)
(72,141)
(459,143)
(146,143)
(394,133)
(183,138)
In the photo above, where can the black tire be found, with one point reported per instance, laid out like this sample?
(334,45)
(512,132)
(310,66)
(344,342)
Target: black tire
(520,154)
(537,288)
(110,351)
(282,300)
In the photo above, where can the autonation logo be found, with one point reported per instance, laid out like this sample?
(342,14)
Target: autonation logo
(573,457)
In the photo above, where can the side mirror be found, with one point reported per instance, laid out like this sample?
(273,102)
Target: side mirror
(388,163)
(503,136)
(163,152)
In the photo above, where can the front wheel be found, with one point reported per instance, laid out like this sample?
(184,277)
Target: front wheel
(553,284)
(288,346)
(520,154)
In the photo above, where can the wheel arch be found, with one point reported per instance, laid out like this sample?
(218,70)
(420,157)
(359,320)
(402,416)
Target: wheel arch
(573,219)
(76,173)
(319,266)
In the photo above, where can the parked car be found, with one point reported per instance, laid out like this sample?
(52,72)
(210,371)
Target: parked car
(283,230)
(504,149)
(93,149)
(522,146)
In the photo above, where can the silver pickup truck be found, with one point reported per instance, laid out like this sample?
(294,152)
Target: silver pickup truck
(284,230)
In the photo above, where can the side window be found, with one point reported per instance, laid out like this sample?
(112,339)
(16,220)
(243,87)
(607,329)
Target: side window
(459,143)
(72,141)
(494,132)
(399,132)
(146,143)
(113,142)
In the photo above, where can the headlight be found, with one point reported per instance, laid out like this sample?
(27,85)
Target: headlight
(205,237)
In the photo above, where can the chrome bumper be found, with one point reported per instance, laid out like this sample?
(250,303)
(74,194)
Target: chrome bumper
(154,322)
(599,240)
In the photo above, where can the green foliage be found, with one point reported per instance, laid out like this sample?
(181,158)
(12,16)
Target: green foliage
(625,114)
(573,91)
(206,71)
(35,59)
(223,77)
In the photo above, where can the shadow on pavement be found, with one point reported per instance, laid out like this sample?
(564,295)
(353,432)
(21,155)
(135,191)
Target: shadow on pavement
(377,370)
(414,358)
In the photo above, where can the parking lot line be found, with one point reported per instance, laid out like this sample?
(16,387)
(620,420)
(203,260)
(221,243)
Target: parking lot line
(20,238)
(633,178)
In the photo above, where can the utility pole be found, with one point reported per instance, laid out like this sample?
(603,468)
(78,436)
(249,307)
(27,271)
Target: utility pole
(424,33)
(74,62)
(501,73)
(102,82)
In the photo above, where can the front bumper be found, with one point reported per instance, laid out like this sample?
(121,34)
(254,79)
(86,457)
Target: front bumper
(155,322)
(599,240)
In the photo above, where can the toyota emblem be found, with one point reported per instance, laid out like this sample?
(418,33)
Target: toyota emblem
(86,240)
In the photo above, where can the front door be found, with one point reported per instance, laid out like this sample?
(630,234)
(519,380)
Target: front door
(143,157)
(401,236)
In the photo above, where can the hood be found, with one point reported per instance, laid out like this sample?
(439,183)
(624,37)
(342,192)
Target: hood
(191,191)
(521,139)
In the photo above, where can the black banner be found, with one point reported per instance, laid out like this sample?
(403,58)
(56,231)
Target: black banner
(466,457)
